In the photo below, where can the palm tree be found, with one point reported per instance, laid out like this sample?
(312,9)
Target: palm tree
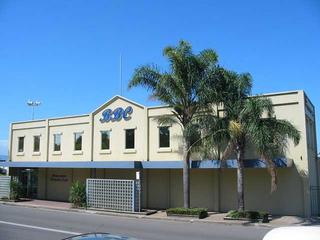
(249,120)
(180,87)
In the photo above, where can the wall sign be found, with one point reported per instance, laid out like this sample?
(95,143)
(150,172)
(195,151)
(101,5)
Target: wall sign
(117,114)
(59,178)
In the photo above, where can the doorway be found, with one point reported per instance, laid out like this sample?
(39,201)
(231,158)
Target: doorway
(29,179)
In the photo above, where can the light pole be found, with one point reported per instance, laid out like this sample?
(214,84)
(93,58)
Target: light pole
(33,104)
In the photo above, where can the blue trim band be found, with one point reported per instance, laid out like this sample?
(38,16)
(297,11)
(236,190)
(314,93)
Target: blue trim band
(203,164)
(73,164)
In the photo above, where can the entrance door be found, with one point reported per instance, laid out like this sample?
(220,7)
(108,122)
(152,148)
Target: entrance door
(29,180)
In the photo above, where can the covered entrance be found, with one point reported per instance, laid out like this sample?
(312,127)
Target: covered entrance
(28,177)
(213,186)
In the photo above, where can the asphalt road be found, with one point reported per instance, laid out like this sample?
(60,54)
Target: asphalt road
(30,223)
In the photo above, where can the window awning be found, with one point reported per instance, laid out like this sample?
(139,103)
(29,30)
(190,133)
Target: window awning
(195,164)
(248,163)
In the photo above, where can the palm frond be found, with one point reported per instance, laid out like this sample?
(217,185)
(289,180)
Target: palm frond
(230,148)
(208,57)
(286,128)
(235,128)
(255,108)
(167,120)
(145,76)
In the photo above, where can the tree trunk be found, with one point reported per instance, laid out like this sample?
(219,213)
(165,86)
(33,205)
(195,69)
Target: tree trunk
(273,172)
(186,174)
(240,178)
(274,179)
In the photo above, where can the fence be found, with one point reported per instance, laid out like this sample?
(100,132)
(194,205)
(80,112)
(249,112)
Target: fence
(315,200)
(5,186)
(113,194)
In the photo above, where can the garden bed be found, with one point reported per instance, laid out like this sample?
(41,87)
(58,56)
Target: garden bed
(187,212)
(252,216)
(4,199)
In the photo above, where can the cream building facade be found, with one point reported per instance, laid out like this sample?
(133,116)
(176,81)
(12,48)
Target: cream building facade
(122,137)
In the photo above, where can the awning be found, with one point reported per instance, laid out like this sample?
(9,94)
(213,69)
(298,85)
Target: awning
(248,163)
(194,164)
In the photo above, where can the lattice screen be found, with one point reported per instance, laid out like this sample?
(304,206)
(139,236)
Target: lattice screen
(113,194)
(5,186)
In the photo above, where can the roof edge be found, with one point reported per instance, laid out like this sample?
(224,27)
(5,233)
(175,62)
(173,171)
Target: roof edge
(114,98)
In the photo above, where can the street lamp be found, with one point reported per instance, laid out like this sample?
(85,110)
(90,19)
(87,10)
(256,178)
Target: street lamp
(33,104)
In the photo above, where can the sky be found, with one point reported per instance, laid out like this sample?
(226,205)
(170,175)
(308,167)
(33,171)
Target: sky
(66,54)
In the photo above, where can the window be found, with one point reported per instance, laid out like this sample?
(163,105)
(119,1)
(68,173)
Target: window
(78,141)
(105,140)
(36,143)
(129,138)
(164,137)
(56,142)
(20,144)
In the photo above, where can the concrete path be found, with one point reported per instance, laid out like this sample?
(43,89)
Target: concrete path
(44,204)
(278,221)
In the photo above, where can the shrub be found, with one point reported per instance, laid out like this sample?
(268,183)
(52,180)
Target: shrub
(200,212)
(264,216)
(16,190)
(78,194)
(252,215)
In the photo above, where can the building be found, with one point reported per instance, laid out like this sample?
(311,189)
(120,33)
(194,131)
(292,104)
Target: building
(122,137)
(3,170)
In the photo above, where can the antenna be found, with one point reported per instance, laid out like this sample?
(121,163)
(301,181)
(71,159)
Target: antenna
(121,74)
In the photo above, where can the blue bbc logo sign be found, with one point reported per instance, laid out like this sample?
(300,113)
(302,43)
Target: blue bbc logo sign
(116,115)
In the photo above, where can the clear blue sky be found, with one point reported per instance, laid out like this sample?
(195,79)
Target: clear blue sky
(66,53)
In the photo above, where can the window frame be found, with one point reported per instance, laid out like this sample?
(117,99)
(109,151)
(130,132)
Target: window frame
(34,138)
(75,141)
(22,149)
(159,132)
(101,140)
(134,142)
(54,142)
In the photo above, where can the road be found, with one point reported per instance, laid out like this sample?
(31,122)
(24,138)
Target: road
(31,223)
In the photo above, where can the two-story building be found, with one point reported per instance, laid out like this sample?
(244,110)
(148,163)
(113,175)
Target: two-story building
(122,137)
